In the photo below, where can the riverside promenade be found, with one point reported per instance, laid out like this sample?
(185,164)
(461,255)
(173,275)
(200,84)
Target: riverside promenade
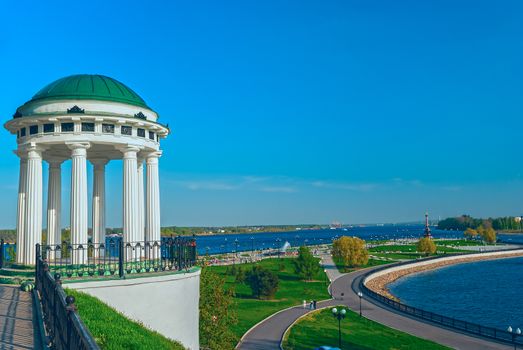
(268,334)
(16,319)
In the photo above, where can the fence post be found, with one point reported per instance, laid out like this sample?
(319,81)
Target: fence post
(120,258)
(1,253)
(179,248)
(71,308)
(38,253)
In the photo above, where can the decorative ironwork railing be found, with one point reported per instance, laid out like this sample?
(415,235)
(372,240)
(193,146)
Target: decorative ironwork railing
(118,258)
(64,327)
(445,321)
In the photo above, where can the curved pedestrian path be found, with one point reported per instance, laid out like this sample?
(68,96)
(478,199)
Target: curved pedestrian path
(268,334)
(16,319)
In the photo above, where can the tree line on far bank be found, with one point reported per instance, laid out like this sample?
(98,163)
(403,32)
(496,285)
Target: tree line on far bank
(463,222)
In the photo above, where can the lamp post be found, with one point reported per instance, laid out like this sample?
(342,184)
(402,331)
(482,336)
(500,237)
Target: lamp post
(252,249)
(236,249)
(325,273)
(340,315)
(278,240)
(360,294)
(514,334)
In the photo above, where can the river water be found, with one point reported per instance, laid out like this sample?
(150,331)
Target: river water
(216,244)
(484,292)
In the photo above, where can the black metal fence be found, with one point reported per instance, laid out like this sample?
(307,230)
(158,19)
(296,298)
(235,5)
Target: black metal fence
(64,327)
(118,258)
(448,322)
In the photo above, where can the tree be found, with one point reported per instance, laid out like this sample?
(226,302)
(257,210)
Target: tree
(426,245)
(350,250)
(306,265)
(489,235)
(216,313)
(240,275)
(263,282)
(470,233)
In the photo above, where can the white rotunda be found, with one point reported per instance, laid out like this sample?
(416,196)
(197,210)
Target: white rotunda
(86,118)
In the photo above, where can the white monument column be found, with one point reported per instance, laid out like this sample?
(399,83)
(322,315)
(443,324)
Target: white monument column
(130,194)
(98,203)
(20,222)
(33,205)
(79,201)
(141,209)
(153,198)
(54,204)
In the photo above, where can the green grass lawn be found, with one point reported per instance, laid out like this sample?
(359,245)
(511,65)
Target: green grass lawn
(398,256)
(292,291)
(321,328)
(406,248)
(410,248)
(345,269)
(113,331)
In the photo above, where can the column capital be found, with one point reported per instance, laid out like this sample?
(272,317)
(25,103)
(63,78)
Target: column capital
(20,154)
(30,150)
(55,162)
(78,148)
(153,156)
(99,162)
(129,151)
(76,145)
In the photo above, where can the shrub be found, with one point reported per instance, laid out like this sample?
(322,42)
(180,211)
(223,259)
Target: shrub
(216,312)
(263,282)
(306,266)
(351,250)
(426,245)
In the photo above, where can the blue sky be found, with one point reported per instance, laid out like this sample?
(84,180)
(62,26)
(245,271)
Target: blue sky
(294,111)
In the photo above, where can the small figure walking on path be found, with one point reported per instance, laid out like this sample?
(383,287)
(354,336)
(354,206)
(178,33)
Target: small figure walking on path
(304,304)
(314,304)
(311,305)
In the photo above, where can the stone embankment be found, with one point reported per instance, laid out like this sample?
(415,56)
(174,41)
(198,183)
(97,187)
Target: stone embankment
(378,282)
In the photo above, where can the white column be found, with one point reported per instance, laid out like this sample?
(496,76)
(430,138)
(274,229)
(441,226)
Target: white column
(141,209)
(130,194)
(79,201)
(153,198)
(33,205)
(98,203)
(20,222)
(54,204)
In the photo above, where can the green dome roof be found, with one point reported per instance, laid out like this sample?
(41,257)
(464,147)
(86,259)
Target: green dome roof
(89,87)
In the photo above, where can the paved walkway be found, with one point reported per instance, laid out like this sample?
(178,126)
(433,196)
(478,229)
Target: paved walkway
(268,334)
(16,319)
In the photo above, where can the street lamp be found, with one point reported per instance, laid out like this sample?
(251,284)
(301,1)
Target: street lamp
(278,240)
(252,249)
(325,273)
(360,294)
(236,249)
(514,334)
(339,314)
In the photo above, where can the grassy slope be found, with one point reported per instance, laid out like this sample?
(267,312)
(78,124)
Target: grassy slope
(113,331)
(292,291)
(320,328)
